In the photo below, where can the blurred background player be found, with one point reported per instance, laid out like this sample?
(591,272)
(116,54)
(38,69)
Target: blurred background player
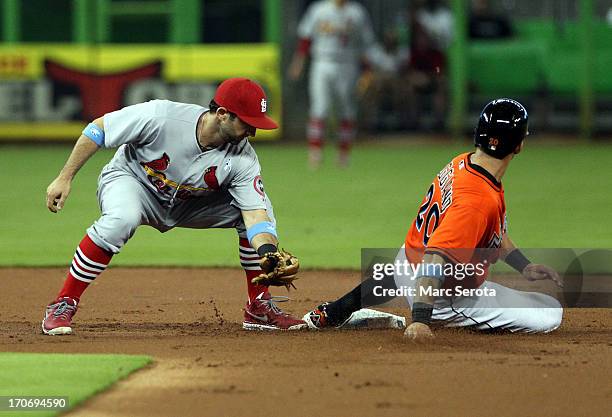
(431,30)
(407,76)
(336,34)
(436,19)
(486,23)
(383,89)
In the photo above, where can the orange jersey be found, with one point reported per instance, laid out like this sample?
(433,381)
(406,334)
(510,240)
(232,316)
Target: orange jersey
(463,210)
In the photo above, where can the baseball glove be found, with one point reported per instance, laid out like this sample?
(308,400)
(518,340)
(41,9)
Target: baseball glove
(280,269)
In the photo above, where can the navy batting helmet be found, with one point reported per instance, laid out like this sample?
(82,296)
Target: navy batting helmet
(502,126)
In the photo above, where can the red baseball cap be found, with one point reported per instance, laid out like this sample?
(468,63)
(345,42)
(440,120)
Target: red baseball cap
(247,100)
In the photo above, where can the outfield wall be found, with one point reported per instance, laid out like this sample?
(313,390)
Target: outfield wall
(49,91)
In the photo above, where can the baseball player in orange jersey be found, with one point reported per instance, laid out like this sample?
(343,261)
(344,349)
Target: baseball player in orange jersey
(463,212)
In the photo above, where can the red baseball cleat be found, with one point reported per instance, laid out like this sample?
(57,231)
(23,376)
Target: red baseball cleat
(263,314)
(58,317)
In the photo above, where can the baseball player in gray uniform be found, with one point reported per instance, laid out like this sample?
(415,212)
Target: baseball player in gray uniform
(337,34)
(178,165)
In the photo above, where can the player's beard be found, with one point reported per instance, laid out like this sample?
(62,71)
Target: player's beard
(228,136)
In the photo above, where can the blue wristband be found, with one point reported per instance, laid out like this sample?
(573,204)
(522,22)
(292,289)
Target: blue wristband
(93,132)
(259,228)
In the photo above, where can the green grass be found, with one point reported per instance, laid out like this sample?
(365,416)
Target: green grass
(76,376)
(558,195)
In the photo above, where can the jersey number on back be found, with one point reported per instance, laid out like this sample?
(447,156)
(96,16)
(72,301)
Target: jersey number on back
(426,213)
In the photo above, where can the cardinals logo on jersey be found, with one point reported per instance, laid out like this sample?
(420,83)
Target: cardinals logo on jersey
(160,164)
(153,168)
(167,186)
(210,178)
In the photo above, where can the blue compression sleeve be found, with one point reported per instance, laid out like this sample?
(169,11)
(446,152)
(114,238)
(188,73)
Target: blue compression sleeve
(93,132)
(261,227)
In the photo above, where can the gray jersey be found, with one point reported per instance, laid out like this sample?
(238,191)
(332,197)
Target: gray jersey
(158,145)
(338,34)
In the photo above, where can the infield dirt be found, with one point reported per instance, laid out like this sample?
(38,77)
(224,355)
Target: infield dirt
(189,321)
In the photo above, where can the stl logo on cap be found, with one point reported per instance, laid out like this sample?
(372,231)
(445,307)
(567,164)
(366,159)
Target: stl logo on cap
(247,100)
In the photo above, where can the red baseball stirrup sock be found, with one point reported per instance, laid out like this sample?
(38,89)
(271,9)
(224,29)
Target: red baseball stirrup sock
(346,135)
(89,261)
(249,259)
(315,133)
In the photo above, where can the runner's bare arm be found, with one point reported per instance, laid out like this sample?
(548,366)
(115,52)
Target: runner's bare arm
(422,306)
(531,271)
